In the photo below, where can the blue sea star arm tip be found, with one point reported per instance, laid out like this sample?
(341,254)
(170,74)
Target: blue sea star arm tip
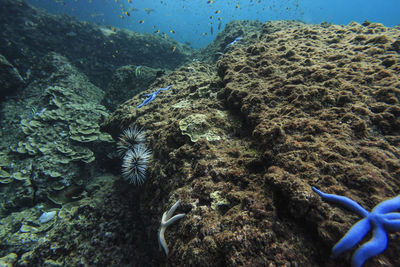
(344,201)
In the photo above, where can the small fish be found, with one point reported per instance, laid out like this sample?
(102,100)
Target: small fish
(113,29)
(173,49)
(165,35)
(237,6)
(129,1)
(148,10)
(220,19)
(210,1)
(141,21)
(218,11)
(211,17)
(147,45)
(157,31)
(127,13)
(93,15)
(172,31)
(154,26)
(212,30)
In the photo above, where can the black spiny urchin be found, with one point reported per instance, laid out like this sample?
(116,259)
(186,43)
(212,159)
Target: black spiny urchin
(129,139)
(134,164)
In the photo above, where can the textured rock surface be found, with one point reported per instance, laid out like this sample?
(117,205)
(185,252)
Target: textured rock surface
(30,33)
(240,142)
(306,106)
(10,80)
(128,81)
(248,29)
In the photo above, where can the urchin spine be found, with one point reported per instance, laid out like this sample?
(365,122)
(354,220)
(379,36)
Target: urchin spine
(135,155)
(129,139)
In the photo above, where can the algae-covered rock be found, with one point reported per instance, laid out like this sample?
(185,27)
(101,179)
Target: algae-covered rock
(304,108)
(196,127)
(5,177)
(128,81)
(9,260)
(95,50)
(218,201)
(10,79)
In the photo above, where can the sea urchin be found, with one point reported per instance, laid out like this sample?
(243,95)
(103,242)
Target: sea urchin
(129,139)
(134,164)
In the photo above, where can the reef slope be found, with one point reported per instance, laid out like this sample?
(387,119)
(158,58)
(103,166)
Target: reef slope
(242,144)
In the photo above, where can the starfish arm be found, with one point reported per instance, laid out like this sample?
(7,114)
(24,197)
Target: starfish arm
(146,101)
(164,218)
(173,219)
(172,209)
(162,89)
(387,206)
(151,98)
(344,201)
(377,244)
(161,240)
(146,95)
(391,221)
(353,236)
(391,216)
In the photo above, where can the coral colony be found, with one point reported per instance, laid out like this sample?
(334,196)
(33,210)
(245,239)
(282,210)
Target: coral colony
(135,155)
(381,219)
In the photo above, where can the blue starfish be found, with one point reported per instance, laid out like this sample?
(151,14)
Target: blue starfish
(381,219)
(152,96)
(234,41)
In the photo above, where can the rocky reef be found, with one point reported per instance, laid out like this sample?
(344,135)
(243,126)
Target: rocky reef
(240,138)
(30,33)
(242,143)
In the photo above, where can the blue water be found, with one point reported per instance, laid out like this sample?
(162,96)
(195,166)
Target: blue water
(191,20)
